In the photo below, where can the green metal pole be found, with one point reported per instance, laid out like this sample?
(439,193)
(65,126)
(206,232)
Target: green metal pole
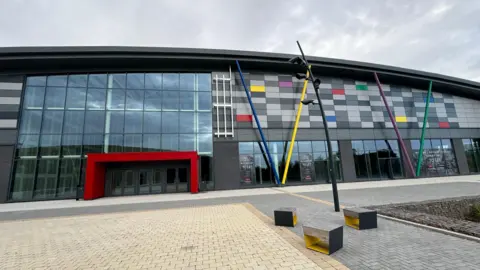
(424,127)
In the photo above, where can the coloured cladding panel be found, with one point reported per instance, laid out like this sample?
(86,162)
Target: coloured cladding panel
(349,104)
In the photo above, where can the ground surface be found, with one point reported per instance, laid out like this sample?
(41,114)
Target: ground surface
(392,246)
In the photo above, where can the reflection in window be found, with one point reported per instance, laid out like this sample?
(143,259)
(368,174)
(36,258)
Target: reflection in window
(170,100)
(153,81)
(133,143)
(72,145)
(378,159)
(113,143)
(115,122)
(96,99)
(187,82)
(170,142)
(52,122)
(93,143)
(438,157)
(69,177)
(60,81)
(117,81)
(472,153)
(153,100)
(204,101)
(50,145)
(187,122)
(152,122)
(133,122)
(115,99)
(77,81)
(170,122)
(24,179)
(31,122)
(37,81)
(205,143)
(204,82)
(28,145)
(187,101)
(134,100)
(33,98)
(73,122)
(94,121)
(135,81)
(152,143)
(45,186)
(187,142)
(55,98)
(204,122)
(171,81)
(97,81)
(76,98)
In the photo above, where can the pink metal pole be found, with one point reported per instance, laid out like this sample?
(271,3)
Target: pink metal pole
(402,145)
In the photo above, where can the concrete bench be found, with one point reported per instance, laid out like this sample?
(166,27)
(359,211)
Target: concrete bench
(360,218)
(326,238)
(286,216)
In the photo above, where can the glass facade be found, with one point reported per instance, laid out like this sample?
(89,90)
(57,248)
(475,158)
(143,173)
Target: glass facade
(377,159)
(308,163)
(472,152)
(65,117)
(438,157)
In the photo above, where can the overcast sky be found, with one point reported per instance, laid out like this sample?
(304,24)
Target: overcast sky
(440,36)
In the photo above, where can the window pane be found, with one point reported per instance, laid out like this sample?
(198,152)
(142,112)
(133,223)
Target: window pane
(153,81)
(115,99)
(304,146)
(170,122)
(71,145)
(187,142)
(55,98)
(170,81)
(60,81)
(134,100)
(133,122)
(96,99)
(69,177)
(33,98)
(73,122)
(77,81)
(97,80)
(258,147)
(187,122)
(369,145)
(170,100)
(319,146)
(204,123)
(205,143)
(187,100)
(31,122)
(152,122)
(113,143)
(277,147)
(152,143)
(23,179)
(135,81)
(446,144)
(187,82)
(153,100)
(27,145)
(93,144)
(94,121)
(37,81)
(245,147)
(170,142)
(115,122)
(415,144)
(436,144)
(204,82)
(133,143)
(52,122)
(76,98)
(45,186)
(50,145)
(117,81)
(204,101)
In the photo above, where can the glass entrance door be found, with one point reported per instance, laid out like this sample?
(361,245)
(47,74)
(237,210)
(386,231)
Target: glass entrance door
(144,181)
(177,179)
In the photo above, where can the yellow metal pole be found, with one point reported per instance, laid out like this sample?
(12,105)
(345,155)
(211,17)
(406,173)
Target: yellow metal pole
(295,127)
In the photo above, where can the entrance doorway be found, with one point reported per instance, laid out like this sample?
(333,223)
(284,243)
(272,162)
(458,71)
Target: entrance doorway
(140,180)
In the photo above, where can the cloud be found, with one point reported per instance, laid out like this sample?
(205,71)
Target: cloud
(431,35)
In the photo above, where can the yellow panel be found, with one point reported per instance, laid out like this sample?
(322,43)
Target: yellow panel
(294,220)
(257,88)
(401,119)
(314,243)
(352,222)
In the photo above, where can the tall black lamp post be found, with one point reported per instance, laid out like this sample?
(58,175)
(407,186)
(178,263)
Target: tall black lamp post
(316,86)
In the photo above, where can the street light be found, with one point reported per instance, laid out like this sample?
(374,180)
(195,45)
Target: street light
(316,86)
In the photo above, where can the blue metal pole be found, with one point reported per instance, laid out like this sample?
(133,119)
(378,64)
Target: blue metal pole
(272,165)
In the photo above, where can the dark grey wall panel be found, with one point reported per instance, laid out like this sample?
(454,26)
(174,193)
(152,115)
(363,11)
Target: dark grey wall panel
(6,157)
(11,78)
(226,165)
(8,136)
(459,151)
(348,163)
(10,93)
(8,114)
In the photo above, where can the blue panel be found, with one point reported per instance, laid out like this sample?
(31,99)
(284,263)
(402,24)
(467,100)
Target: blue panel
(431,99)
(331,118)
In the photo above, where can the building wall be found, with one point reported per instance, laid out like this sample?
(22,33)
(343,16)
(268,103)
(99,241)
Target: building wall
(10,95)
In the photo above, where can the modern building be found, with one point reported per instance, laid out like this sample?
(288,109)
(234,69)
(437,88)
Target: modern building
(118,121)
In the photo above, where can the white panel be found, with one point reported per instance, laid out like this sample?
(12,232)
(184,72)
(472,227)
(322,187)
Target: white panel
(10,100)
(8,123)
(10,86)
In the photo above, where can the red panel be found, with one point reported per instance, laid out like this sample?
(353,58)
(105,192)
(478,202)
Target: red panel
(95,171)
(338,91)
(244,118)
(443,125)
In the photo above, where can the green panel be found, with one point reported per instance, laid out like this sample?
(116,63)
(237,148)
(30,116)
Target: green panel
(361,87)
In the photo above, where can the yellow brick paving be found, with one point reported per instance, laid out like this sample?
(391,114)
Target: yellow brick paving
(214,237)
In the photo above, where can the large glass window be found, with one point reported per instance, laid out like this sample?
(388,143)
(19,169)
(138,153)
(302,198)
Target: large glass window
(377,159)
(66,117)
(472,152)
(438,157)
(308,162)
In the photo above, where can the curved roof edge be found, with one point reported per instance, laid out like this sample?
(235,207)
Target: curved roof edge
(115,52)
